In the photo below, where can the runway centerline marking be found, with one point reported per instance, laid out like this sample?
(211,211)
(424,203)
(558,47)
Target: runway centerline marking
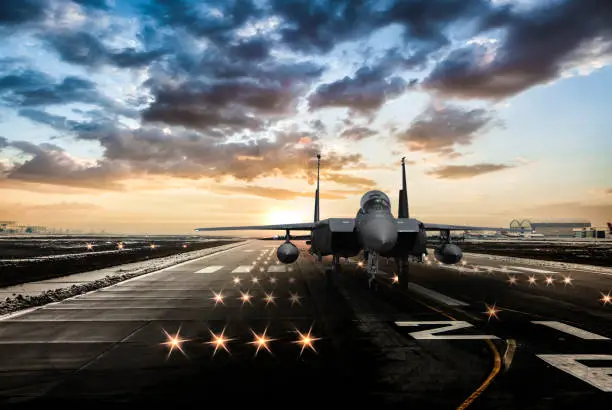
(432,294)
(243,269)
(570,330)
(210,269)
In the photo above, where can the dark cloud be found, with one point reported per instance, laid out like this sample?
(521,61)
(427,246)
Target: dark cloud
(251,49)
(14,12)
(55,121)
(439,130)
(214,19)
(357,133)
(244,100)
(99,4)
(50,164)
(86,49)
(365,92)
(537,46)
(3,143)
(466,171)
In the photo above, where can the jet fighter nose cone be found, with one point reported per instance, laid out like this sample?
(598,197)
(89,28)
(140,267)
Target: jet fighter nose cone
(379,234)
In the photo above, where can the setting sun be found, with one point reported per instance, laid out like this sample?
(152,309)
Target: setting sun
(282,216)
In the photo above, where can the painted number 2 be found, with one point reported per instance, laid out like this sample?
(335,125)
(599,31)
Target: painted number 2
(449,325)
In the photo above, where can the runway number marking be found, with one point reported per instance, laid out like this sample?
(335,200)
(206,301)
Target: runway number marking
(599,377)
(243,269)
(570,330)
(449,325)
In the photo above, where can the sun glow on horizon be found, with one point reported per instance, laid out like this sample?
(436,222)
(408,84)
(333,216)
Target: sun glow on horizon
(284,216)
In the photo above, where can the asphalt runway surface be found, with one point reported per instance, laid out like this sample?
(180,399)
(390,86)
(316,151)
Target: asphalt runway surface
(547,345)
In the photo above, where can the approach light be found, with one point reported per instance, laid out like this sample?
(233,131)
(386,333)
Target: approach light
(492,311)
(306,340)
(261,341)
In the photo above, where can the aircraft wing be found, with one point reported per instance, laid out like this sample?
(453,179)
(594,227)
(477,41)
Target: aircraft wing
(305,226)
(440,227)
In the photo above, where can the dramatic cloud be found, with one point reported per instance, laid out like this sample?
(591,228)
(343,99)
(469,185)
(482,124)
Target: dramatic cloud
(365,92)
(537,47)
(280,193)
(3,142)
(466,171)
(14,12)
(439,130)
(86,49)
(357,133)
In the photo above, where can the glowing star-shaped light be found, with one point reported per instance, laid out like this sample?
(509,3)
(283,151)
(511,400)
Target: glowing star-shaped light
(219,341)
(218,298)
(255,279)
(152,246)
(236,280)
(567,280)
(270,298)
(532,280)
(272,280)
(120,245)
(512,280)
(174,342)
(294,298)
(549,280)
(306,340)
(395,279)
(89,246)
(492,311)
(261,341)
(463,263)
(246,297)
(605,299)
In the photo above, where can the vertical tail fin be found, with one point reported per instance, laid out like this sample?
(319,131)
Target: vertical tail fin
(402,211)
(316,208)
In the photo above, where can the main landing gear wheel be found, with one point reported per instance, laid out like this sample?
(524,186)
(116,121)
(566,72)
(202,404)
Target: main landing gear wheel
(403,272)
(336,267)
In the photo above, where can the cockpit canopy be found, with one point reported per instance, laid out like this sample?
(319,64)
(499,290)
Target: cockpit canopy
(375,201)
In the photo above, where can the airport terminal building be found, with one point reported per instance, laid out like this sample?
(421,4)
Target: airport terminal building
(559,229)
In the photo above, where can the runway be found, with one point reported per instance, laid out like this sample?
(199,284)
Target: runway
(368,348)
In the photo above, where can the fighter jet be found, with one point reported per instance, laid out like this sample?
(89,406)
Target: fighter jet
(374,230)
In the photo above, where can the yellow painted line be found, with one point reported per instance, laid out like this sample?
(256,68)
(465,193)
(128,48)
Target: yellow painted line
(485,384)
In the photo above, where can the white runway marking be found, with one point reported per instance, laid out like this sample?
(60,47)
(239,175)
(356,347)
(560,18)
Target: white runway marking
(277,268)
(600,377)
(571,330)
(436,295)
(209,269)
(249,250)
(243,269)
(534,270)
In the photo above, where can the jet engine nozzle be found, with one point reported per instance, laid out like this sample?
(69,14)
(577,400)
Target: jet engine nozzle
(448,253)
(287,253)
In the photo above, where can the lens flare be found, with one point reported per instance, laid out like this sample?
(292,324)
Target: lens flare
(269,298)
(218,298)
(120,245)
(89,246)
(492,311)
(272,280)
(261,341)
(395,279)
(567,280)
(306,340)
(294,298)
(174,342)
(236,280)
(246,297)
(512,280)
(152,246)
(532,280)
(255,279)
(549,281)
(219,341)
(606,298)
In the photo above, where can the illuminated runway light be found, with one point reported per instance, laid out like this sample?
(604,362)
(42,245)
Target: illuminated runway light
(261,269)
(120,245)
(306,340)
(261,341)
(605,299)
(532,280)
(549,281)
(219,341)
(492,311)
(236,280)
(269,298)
(255,279)
(567,280)
(246,297)
(218,298)
(174,342)
(290,269)
(463,263)
(184,246)
(395,279)
(152,246)
(272,280)
(254,263)
(295,298)
(360,264)
(89,246)
(512,280)
(292,279)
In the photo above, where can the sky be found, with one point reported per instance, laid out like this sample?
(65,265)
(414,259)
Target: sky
(158,117)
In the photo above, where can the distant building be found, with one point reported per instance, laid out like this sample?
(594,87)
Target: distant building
(547,228)
(11,227)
